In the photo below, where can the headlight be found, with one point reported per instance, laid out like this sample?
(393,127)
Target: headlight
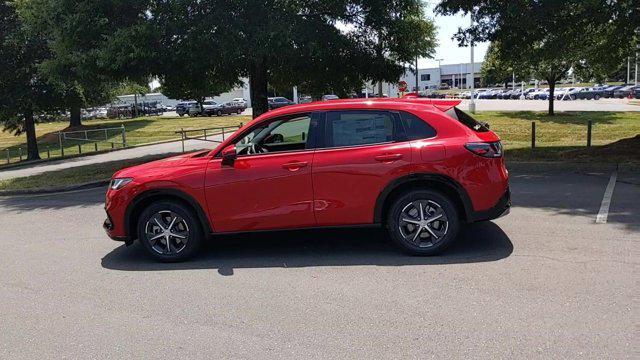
(119,183)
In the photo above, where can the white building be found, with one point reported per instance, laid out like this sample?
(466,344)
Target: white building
(454,75)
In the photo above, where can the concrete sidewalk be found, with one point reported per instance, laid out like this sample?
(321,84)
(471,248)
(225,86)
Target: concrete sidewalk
(130,153)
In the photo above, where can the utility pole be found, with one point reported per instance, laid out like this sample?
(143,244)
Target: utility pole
(628,68)
(513,81)
(472,103)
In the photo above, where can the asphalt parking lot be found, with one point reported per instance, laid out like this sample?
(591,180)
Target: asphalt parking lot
(544,282)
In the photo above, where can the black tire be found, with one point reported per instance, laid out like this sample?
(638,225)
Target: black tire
(428,199)
(239,111)
(219,113)
(572,97)
(182,249)
(596,97)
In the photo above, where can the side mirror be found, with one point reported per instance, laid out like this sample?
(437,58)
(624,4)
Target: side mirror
(229,155)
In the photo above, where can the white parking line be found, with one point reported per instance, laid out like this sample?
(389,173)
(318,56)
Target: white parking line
(606,200)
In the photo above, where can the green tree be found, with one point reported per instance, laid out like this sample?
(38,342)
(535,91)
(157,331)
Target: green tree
(550,37)
(191,38)
(81,36)
(499,67)
(24,94)
(322,43)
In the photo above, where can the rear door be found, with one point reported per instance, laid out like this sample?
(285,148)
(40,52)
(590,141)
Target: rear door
(360,153)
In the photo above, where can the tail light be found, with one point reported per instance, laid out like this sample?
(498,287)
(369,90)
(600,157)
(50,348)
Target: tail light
(486,149)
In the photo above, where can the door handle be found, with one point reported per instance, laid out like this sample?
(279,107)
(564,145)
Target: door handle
(388,157)
(294,165)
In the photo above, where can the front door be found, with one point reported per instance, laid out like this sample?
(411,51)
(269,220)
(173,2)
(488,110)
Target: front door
(269,185)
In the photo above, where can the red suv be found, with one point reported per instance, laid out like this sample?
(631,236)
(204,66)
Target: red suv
(419,167)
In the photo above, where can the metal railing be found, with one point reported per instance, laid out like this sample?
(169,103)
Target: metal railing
(112,137)
(214,135)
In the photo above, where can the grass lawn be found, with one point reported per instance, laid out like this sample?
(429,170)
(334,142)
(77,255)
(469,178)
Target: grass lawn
(76,175)
(138,131)
(558,136)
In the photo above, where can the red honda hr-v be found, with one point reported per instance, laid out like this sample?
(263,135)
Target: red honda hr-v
(419,167)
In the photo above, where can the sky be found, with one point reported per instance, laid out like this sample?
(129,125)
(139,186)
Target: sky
(448,49)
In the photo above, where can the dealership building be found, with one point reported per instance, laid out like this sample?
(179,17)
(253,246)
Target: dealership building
(454,75)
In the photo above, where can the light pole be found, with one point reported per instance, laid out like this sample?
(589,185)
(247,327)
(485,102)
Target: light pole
(472,103)
(439,74)
(417,84)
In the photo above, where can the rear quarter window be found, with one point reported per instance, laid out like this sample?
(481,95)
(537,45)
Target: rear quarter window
(467,120)
(415,127)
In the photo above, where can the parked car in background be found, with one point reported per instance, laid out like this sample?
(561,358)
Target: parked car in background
(182,108)
(515,94)
(504,95)
(608,91)
(240,102)
(304,99)
(594,93)
(537,94)
(196,109)
(330,97)
(278,102)
(364,160)
(222,109)
(636,93)
(624,92)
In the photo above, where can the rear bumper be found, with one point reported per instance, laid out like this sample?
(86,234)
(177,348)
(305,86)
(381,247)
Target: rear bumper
(502,208)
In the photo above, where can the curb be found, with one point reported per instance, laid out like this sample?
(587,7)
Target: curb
(53,190)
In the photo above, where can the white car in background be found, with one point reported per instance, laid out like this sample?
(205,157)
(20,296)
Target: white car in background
(240,102)
(101,113)
(537,94)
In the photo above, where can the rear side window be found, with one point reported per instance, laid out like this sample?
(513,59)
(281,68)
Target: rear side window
(352,128)
(467,120)
(415,127)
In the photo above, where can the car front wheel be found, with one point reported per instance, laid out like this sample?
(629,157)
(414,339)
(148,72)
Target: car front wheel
(169,231)
(423,222)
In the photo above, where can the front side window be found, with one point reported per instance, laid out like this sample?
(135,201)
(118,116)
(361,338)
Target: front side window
(285,134)
(352,128)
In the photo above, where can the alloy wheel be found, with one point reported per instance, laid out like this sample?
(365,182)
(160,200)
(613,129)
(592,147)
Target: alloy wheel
(167,232)
(423,223)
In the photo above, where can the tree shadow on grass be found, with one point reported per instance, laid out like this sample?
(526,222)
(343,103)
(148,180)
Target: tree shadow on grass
(480,242)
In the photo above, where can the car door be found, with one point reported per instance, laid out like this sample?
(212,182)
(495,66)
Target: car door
(360,152)
(269,184)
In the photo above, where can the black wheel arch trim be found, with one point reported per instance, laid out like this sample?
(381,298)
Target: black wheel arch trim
(204,221)
(437,178)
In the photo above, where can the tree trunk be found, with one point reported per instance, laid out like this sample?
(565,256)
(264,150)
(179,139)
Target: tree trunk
(32,141)
(258,87)
(552,88)
(380,89)
(76,119)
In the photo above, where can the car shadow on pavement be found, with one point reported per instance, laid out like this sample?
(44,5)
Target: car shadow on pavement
(480,242)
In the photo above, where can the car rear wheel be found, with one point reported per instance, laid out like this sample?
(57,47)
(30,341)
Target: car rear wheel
(423,222)
(169,231)
(596,97)
(219,113)
(239,111)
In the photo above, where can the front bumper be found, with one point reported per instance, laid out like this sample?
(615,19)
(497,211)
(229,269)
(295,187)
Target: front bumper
(108,227)
(502,208)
